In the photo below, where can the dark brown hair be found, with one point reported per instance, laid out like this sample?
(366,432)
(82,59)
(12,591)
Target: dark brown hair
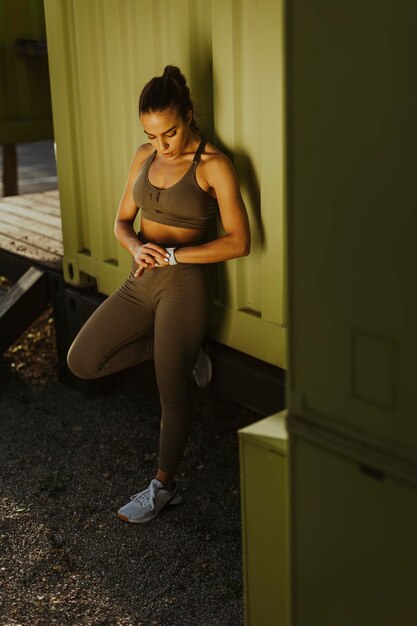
(169,91)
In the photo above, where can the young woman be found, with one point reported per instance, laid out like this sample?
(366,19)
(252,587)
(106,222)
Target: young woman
(180,182)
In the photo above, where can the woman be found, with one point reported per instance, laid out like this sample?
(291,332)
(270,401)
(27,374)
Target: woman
(180,182)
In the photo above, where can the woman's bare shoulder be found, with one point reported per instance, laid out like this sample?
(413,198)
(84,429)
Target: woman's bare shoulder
(215,161)
(140,155)
(210,150)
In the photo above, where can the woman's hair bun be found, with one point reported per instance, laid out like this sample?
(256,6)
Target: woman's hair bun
(172,71)
(168,91)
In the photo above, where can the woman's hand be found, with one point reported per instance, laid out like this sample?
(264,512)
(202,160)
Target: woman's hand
(150,255)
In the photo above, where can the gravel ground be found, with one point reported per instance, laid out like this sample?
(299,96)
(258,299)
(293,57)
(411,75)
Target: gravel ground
(67,463)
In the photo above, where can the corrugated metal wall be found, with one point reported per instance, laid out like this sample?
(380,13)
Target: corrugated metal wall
(25,104)
(101,53)
(352,218)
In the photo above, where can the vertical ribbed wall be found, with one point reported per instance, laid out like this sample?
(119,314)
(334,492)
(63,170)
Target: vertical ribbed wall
(248,117)
(352,218)
(25,102)
(101,53)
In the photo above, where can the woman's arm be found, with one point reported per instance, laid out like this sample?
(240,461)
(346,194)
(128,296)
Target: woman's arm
(221,176)
(145,255)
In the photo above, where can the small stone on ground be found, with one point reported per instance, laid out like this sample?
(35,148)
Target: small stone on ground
(68,462)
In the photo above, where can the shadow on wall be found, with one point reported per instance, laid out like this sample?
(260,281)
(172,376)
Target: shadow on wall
(249,184)
(201,77)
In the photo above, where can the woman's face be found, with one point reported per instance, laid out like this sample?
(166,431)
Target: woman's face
(167,132)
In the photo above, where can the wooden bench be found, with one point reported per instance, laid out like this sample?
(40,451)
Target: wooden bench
(30,247)
(30,227)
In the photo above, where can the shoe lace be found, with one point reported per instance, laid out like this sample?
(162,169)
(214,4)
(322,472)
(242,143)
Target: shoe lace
(143,498)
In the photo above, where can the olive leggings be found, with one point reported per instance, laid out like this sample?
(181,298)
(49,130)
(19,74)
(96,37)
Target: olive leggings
(161,315)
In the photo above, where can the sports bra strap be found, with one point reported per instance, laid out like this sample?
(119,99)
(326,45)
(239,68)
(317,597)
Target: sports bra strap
(199,151)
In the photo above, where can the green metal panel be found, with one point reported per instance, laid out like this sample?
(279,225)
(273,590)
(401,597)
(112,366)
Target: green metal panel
(248,45)
(265,534)
(353,539)
(25,102)
(352,232)
(101,54)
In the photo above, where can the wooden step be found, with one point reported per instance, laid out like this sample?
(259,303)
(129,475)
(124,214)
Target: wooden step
(22,305)
(30,229)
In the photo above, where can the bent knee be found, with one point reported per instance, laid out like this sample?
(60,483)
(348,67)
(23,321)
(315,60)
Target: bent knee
(80,365)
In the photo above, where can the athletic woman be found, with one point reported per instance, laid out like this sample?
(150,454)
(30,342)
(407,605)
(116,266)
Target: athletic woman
(181,183)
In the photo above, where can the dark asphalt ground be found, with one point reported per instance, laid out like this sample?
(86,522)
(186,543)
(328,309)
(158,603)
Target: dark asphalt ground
(68,462)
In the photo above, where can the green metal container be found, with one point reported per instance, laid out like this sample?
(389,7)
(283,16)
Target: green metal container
(352,236)
(265,527)
(101,53)
(354,519)
(352,240)
(25,102)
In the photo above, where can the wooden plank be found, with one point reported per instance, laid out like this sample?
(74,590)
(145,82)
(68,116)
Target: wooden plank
(50,198)
(26,237)
(22,304)
(40,206)
(52,195)
(52,201)
(31,227)
(28,201)
(51,220)
(41,214)
(30,252)
(37,198)
(14,207)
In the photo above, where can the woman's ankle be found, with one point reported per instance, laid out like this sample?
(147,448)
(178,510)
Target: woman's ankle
(165,478)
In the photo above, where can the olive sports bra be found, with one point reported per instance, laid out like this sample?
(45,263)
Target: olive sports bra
(184,204)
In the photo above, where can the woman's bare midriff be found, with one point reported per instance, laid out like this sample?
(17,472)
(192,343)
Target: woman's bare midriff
(161,233)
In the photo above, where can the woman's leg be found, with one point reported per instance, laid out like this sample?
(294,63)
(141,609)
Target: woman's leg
(181,300)
(118,335)
(181,321)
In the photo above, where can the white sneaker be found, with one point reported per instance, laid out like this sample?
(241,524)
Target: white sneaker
(203,369)
(145,506)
